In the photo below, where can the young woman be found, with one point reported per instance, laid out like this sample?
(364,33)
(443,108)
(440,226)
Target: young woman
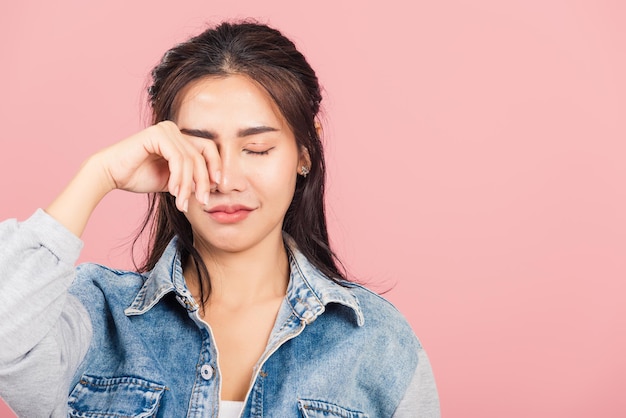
(239,309)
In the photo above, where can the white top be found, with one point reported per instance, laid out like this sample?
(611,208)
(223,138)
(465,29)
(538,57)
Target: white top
(230,409)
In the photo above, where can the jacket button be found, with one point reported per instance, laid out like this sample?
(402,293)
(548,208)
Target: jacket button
(206,372)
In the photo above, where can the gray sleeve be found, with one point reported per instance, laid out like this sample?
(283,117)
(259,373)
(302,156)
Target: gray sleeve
(44,331)
(421,399)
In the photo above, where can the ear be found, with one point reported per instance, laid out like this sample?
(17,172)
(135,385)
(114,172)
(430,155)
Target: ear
(318,127)
(304,162)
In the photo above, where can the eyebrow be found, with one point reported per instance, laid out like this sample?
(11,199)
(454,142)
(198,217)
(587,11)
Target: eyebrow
(203,133)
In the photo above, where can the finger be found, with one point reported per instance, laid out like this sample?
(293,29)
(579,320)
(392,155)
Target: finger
(192,171)
(195,178)
(212,158)
(201,179)
(186,182)
(195,174)
(189,166)
(168,143)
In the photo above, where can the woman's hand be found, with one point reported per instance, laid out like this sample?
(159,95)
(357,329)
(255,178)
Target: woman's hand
(161,159)
(158,159)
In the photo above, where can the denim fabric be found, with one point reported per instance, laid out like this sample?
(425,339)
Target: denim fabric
(335,351)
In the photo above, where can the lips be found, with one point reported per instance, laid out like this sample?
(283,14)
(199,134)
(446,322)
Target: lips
(229,208)
(228,214)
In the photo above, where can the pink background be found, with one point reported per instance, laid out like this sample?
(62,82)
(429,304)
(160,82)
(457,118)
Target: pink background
(476,160)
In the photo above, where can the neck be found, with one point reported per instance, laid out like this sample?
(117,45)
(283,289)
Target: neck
(237,278)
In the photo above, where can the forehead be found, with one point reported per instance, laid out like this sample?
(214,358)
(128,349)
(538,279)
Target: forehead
(230,98)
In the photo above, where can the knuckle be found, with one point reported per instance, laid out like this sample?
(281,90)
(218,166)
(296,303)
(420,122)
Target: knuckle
(167,124)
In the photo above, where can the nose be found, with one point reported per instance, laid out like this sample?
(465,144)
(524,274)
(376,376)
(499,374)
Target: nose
(233,174)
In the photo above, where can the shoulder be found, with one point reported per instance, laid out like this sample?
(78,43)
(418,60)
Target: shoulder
(382,332)
(97,274)
(382,316)
(370,341)
(96,283)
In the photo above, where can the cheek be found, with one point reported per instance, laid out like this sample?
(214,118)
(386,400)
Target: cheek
(276,181)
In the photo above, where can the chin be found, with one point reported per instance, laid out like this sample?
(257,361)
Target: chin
(229,242)
(237,238)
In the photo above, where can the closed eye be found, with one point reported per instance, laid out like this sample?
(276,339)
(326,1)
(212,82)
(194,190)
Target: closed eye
(253,152)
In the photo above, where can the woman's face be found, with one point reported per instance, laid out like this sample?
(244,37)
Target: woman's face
(260,161)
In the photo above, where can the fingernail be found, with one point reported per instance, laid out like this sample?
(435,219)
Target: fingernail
(175,193)
(218,176)
(206,198)
(186,205)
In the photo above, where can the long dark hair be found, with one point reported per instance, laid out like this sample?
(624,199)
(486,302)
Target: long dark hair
(269,58)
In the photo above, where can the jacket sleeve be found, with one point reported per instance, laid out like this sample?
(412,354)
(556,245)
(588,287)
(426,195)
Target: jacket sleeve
(44,331)
(421,399)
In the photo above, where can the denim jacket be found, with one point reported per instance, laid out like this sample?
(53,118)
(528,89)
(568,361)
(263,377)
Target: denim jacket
(143,350)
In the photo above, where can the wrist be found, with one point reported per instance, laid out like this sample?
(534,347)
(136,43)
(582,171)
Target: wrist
(96,174)
(75,204)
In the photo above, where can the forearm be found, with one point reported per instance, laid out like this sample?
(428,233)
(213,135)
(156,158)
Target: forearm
(75,204)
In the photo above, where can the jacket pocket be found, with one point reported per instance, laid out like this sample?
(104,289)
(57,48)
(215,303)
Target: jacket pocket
(320,409)
(114,397)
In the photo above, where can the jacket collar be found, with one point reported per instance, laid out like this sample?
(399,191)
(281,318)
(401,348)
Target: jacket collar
(308,292)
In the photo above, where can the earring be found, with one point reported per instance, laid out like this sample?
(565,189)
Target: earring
(304,170)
